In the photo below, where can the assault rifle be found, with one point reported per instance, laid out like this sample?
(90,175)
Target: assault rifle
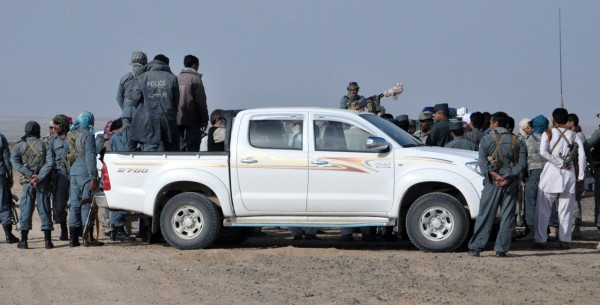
(92,215)
(570,156)
(12,206)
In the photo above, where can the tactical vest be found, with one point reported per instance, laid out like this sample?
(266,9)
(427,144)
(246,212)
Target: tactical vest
(33,158)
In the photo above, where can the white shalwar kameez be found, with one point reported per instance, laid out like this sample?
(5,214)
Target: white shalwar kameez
(557,182)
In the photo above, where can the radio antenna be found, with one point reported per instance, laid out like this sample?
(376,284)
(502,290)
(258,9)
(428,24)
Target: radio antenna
(562,105)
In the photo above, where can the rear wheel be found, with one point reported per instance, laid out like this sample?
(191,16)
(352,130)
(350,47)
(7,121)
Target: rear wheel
(190,221)
(437,222)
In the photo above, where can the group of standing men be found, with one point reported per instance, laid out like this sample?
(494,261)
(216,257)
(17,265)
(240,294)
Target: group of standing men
(158,108)
(548,159)
(59,168)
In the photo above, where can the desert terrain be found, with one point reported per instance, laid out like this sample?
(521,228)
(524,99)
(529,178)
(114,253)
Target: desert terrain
(274,269)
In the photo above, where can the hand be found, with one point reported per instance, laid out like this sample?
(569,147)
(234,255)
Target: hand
(33,180)
(94,185)
(502,182)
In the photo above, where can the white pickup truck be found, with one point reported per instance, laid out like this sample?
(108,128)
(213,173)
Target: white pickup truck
(303,167)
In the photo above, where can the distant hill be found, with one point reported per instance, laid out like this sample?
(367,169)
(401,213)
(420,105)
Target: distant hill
(13,127)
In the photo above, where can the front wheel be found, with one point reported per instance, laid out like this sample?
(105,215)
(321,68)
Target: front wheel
(189,221)
(437,222)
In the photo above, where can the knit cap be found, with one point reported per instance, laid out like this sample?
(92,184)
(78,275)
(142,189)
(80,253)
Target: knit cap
(540,124)
(138,58)
(32,128)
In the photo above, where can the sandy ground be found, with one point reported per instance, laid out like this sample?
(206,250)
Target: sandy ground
(274,269)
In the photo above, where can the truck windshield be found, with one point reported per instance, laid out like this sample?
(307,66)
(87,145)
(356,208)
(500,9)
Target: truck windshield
(400,136)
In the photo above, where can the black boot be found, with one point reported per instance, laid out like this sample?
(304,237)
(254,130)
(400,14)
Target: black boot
(64,231)
(48,239)
(121,235)
(23,243)
(10,238)
(89,240)
(74,232)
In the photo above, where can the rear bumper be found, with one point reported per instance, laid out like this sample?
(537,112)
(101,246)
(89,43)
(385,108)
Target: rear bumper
(100,199)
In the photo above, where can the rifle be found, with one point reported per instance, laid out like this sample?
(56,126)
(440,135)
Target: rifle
(92,215)
(12,209)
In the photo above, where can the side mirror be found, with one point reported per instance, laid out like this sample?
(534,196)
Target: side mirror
(377,144)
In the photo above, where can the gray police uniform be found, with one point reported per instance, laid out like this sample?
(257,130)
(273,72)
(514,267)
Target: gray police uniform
(60,191)
(6,175)
(124,95)
(493,196)
(82,172)
(461,143)
(40,162)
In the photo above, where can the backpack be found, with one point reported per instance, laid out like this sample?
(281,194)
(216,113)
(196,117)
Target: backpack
(72,154)
(496,159)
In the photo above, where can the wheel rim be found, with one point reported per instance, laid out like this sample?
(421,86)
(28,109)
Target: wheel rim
(436,223)
(187,222)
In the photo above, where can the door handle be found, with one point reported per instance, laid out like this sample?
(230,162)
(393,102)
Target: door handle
(249,161)
(319,162)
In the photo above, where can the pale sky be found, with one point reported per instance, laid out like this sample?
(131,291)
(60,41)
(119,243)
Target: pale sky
(68,56)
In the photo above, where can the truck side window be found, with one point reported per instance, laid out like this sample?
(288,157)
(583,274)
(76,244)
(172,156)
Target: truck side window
(338,136)
(276,134)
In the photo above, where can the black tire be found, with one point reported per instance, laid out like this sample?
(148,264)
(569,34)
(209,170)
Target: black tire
(437,222)
(233,235)
(190,221)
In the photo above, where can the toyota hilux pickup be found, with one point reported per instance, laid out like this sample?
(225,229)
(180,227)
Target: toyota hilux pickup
(300,167)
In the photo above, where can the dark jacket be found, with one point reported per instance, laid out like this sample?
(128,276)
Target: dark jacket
(5,164)
(439,134)
(192,112)
(155,94)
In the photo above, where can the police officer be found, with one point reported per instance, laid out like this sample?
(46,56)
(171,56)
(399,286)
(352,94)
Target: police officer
(83,178)
(402,121)
(118,142)
(34,160)
(6,183)
(458,141)
(425,122)
(352,96)
(501,171)
(440,134)
(60,180)
(138,61)
(155,93)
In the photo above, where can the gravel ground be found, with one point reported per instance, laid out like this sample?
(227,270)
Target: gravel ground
(274,269)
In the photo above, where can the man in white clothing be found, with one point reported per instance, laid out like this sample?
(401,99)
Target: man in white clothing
(558,179)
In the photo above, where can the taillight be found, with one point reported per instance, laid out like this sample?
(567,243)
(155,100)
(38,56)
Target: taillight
(105,178)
